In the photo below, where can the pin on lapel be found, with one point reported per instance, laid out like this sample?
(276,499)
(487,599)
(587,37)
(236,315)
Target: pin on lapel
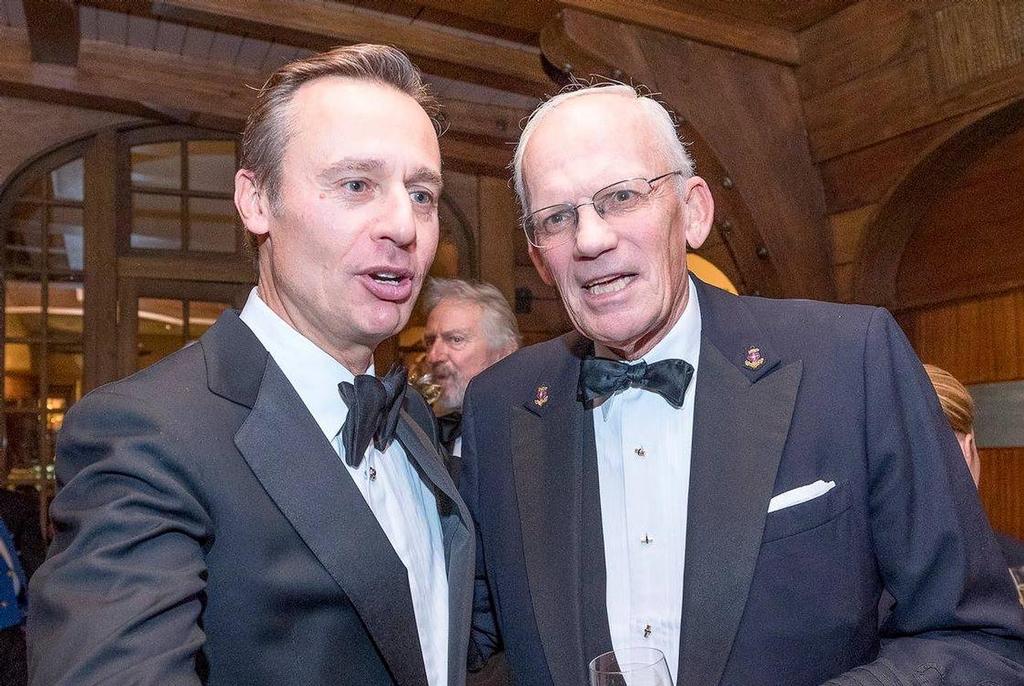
(542,396)
(753,359)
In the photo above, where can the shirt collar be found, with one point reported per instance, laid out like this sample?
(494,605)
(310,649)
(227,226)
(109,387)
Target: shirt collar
(681,342)
(313,373)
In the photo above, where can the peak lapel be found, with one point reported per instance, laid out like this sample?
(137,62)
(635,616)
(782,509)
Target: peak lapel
(307,480)
(550,431)
(741,420)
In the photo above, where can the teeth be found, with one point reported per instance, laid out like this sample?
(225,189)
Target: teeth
(392,278)
(609,286)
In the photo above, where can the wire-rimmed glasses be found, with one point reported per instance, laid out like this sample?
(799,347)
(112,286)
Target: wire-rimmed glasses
(553,225)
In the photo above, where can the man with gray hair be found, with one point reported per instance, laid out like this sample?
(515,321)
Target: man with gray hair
(730,480)
(470,326)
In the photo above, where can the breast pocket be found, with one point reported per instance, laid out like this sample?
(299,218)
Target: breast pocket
(807,515)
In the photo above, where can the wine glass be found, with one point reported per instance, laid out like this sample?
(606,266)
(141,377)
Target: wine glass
(1017,573)
(630,667)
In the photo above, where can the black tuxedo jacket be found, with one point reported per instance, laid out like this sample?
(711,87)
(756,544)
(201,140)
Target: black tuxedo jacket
(206,532)
(789,597)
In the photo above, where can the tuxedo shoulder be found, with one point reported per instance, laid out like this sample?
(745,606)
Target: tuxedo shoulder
(813,322)
(523,367)
(173,385)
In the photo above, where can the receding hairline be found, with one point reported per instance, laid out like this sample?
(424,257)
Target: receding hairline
(659,123)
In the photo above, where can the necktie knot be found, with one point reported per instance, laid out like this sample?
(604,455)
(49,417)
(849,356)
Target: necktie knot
(374,406)
(601,377)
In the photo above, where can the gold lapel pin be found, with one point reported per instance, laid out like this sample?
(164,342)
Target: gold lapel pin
(753,359)
(542,396)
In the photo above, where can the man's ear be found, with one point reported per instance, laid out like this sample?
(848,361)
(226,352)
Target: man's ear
(538,262)
(699,209)
(251,204)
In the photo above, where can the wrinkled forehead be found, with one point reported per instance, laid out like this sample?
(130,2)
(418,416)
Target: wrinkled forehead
(586,140)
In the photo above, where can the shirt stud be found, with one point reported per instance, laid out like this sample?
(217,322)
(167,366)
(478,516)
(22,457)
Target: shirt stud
(648,631)
(646,540)
(640,452)
(373,474)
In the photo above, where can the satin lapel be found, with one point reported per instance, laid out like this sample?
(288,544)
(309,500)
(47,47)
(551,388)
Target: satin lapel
(304,476)
(549,431)
(458,533)
(740,429)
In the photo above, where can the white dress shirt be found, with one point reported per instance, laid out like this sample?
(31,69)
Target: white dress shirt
(643,455)
(402,502)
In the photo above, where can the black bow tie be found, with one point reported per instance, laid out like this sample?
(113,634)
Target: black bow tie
(600,377)
(449,428)
(373,409)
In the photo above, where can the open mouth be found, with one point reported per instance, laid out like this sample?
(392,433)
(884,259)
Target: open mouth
(394,285)
(609,284)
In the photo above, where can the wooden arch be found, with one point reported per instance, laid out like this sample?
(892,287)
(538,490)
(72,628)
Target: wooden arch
(886,237)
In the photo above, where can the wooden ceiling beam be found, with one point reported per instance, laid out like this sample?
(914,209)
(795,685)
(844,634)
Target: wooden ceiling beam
(759,40)
(451,54)
(53,31)
(169,87)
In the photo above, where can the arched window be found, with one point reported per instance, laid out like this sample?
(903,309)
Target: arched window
(44,252)
(130,235)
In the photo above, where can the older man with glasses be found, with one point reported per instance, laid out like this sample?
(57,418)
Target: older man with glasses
(730,480)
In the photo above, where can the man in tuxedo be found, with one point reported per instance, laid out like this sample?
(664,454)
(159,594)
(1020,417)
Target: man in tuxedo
(259,508)
(470,326)
(21,550)
(731,480)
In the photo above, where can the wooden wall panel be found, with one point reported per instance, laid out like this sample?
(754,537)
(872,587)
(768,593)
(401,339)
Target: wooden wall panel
(981,340)
(1002,489)
(917,65)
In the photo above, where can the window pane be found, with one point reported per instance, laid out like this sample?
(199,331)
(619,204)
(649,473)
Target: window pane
(202,315)
(64,312)
(67,181)
(63,378)
(66,243)
(24,237)
(211,166)
(212,225)
(21,375)
(160,329)
(156,222)
(157,165)
(23,308)
(23,451)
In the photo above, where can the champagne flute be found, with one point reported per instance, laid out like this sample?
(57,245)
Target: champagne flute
(630,667)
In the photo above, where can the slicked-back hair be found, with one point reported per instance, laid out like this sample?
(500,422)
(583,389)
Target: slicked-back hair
(267,128)
(956,401)
(667,140)
(499,324)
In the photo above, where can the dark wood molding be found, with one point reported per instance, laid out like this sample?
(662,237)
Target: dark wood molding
(740,35)
(53,31)
(886,238)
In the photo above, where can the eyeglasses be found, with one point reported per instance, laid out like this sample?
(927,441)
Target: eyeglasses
(554,225)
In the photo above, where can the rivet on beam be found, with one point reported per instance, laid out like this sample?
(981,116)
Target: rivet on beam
(567,67)
(616,74)
(725,225)
(762,252)
(727,182)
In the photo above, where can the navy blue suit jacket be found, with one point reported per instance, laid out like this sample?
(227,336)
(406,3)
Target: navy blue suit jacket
(789,597)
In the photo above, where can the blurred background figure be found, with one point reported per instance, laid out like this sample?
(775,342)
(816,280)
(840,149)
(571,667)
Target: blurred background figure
(21,550)
(470,326)
(958,406)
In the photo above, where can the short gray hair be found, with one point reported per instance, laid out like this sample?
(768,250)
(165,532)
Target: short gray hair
(499,323)
(661,120)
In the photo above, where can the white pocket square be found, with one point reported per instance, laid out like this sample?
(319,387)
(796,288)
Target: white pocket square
(800,495)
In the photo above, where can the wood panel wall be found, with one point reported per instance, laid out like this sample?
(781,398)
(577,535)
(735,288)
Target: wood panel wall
(980,340)
(883,82)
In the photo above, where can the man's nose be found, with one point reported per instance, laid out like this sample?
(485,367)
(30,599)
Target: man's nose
(397,221)
(435,352)
(593,234)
